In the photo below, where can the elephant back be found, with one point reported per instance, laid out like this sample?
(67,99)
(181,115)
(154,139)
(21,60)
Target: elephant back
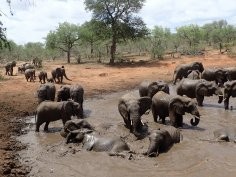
(175,134)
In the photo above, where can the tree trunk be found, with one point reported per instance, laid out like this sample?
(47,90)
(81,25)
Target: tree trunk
(113,50)
(68,56)
(91,45)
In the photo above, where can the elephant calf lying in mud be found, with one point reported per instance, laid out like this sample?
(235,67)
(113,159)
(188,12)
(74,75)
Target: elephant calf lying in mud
(161,140)
(225,134)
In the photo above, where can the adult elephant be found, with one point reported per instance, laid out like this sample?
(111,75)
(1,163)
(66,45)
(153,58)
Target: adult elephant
(229,91)
(74,92)
(148,88)
(218,75)
(49,111)
(30,75)
(198,89)
(174,106)
(131,109)
(193,74)
(9,68)
(58,74)
(95,142)
(161,140)
(42,77)
(181,71)
(46,91)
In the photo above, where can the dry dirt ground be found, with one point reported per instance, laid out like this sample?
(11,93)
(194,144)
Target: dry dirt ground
(17,97)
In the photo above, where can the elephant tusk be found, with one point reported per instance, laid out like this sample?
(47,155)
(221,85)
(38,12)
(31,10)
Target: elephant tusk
(220,95)
(142,122)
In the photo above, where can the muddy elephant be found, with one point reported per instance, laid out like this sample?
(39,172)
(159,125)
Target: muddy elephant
(75,124)
(198,89)
(131,109)
(181,71)
(42,77)
(46,91)
(225,134)
(161,140)
(93,142)
(193,74)
(218,75)
(74,92)
(49,111)
(9,68)
(148,88)
(229,91)
(30,75)
(58,74)
(174,106)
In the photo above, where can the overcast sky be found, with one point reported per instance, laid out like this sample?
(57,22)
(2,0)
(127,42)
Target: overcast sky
(33,19)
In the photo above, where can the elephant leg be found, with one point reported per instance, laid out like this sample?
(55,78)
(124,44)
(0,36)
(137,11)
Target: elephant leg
(163,119)
(179,121)
(200,99)
(37,127)
(154,114)
(226,103)
(46,126)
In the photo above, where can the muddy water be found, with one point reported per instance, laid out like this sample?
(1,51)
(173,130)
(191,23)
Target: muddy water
(49,156)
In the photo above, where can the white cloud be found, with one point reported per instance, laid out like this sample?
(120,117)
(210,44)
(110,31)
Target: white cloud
(32,20)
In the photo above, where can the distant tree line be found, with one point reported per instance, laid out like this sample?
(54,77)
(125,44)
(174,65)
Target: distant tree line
(115,30)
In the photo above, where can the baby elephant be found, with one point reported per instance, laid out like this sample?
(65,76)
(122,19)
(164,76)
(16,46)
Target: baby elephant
(91,141)
(161,140)
(225,134)
(49,111)
(42,77)
(30,74)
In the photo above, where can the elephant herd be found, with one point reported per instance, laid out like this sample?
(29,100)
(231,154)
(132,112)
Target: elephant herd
(195,82)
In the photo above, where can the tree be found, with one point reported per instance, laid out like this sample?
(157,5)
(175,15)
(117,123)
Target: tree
(64,38)
(118,16)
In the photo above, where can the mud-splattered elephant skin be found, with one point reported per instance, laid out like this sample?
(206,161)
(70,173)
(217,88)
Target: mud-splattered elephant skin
(225,134)
(150,88)
(161,140)
(198,89)
(181,71)
(174,106)
(229,91)
(131,109)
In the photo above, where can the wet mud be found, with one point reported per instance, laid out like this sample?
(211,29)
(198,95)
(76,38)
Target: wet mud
(48,155)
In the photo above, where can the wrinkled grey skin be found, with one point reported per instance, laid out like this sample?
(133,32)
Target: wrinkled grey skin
(148,88)
(49,111)
(94,142)
(218,75)
(58,74)
(231,73)
(42,77)
(74,92)
(181,71)
(30,75)
(193,74)
(198,89)
(161,140)
(225,134)
(46,91)
(229,91)
(9,68)
(131,109)
(174,106)
(75,124)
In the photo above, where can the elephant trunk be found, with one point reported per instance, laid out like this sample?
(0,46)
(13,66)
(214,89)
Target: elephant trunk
(152,149)
(195,122)
(67,77)
(136,124)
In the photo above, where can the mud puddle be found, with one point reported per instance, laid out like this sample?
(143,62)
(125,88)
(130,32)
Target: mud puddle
(48,154)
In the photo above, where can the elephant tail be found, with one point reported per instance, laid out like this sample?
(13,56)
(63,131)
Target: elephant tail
(35,116)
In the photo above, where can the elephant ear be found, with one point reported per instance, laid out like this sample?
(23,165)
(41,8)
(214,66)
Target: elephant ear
(177,105)
(144,104)
(123,110)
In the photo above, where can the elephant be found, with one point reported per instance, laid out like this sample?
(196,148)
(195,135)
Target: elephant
(131,109)
(148,88)
(225,134)
(48,111)
(30,74)
(193,74)
(161,140)
(97,143)
(76,124)
(218,75)
(231,73)
(58,74)
(37,62)
(74,92)
(230,90)
(46,91)
(9,68)
(42,77)
(181,71)
(198,89)
(174,106)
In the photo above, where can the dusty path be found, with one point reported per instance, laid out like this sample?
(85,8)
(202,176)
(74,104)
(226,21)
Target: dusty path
(17,97)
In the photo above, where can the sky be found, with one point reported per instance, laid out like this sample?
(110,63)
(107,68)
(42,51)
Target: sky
(33,19)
